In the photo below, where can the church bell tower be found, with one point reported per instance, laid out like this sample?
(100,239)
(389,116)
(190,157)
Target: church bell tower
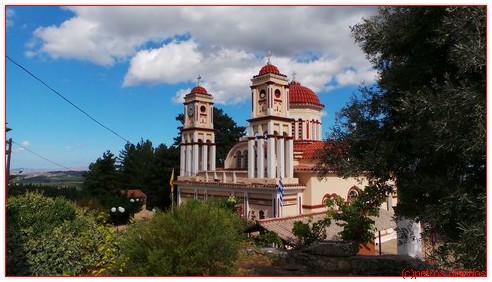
(197,135)
(270,142)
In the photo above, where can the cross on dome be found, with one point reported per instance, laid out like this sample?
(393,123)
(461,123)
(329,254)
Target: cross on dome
(269,55)
(198,79)
(294,76)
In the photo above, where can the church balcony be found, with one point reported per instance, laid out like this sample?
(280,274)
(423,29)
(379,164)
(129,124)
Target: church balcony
(235,177)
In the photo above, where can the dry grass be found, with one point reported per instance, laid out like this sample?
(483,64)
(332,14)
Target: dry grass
(251,264)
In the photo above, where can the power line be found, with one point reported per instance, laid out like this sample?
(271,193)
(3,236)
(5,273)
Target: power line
(46,159)
(68,101)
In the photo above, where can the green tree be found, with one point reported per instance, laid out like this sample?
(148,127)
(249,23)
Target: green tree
(196,238)
(101,181)
(149,169)
(47,236)
(423,124)
(227,134)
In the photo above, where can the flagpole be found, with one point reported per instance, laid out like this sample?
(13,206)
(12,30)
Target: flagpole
(171,183)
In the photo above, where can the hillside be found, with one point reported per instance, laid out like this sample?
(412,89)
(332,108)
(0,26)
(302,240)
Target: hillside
(64,178)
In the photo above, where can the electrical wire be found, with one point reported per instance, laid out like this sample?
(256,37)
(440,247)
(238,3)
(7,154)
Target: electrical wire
(66,100)
(46,159)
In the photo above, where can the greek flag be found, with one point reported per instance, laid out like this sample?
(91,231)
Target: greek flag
(281,190)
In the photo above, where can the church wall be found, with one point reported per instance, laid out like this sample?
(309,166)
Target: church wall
(317,189)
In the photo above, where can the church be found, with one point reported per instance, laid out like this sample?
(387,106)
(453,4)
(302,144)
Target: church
(280,148)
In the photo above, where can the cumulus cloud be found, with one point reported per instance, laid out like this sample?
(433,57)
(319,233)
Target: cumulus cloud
(9,17)
(226,45)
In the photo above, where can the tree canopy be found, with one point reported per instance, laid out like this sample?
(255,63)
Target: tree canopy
(423,124)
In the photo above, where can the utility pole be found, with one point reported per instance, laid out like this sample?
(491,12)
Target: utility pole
(9,153)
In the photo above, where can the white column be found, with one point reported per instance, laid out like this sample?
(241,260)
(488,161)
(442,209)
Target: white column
(316,132)
(188,160)
(289,163)
(194,166)
(303,128)
(212,157)
(253,102)
(251,158)
(270,99)
(281,158)
(182,160)
(320,131)
(296,130)
(271,157)
(204,157)
(261,158)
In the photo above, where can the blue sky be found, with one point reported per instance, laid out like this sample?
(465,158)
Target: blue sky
(129,68)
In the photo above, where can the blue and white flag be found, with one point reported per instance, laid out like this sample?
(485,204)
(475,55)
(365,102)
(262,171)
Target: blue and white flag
(281,190)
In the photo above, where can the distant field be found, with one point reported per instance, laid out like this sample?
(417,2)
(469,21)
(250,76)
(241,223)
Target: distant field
(52,178)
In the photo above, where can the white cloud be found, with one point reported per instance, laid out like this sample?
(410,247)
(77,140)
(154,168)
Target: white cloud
(226,45)
(25,143)
(9,17)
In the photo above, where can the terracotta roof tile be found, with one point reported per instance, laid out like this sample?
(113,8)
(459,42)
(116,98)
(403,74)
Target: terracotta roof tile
(302,95)
(199,90)
(308,149)
(135,193)
(283,226)
(269,68)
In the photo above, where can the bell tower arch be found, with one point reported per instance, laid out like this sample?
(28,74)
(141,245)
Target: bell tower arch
(270,144)
(198,134)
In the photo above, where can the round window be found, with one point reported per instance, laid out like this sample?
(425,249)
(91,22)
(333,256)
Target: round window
(203,109)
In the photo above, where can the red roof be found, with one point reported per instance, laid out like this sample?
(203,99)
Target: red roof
(199,90)
(302,95)
(269,68)
(308,150)
(135,193)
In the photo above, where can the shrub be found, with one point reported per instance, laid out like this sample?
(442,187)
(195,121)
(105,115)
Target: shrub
(195,238)
(52,237)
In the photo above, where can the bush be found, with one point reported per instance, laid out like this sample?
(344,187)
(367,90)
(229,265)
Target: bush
(195,238)
(51,237)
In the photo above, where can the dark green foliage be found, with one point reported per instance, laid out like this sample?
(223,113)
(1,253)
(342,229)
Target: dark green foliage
(227,134)
(138,166)
(149,169)
(47,237)
(423,124)
(101,181)
(267,238)
(354,216)
(195,238)
(69,193)
(310,232)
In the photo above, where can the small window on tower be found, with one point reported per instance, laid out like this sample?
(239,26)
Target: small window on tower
(277,93)
(262,94)
(203,109)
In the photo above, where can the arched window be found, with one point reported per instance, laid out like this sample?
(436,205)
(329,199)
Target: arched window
(246,159)
(352,194)
(262,214)
(238,159)
(329,196)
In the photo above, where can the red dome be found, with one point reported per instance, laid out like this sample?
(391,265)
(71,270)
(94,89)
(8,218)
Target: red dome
(302,95)
(199,90)
(269,68)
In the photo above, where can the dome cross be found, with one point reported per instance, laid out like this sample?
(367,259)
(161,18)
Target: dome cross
(269,55)
(294,76)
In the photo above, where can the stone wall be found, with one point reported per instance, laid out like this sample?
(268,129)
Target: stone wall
(340,257)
